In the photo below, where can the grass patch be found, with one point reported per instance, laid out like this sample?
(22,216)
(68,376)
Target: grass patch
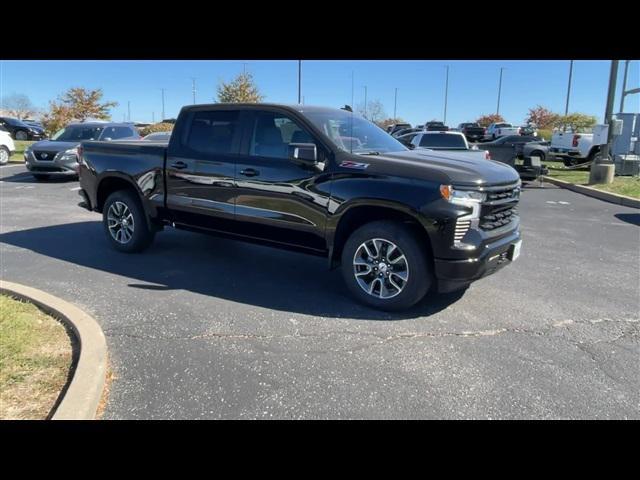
(36,355)
(21,146)
(628,186)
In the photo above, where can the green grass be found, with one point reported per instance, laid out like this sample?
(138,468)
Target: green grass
(35,358)
(628,186)
(21,146)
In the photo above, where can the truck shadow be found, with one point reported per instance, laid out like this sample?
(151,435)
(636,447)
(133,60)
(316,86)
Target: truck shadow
(236,271)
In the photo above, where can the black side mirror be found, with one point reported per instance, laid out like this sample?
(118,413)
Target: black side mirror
(410,146)
(305,154)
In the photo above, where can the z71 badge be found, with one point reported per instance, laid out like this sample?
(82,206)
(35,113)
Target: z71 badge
(356,165)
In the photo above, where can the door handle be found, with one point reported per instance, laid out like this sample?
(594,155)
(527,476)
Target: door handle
(249,172)
(179,165)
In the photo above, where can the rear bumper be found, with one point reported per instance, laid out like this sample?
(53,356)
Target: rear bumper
(457,274)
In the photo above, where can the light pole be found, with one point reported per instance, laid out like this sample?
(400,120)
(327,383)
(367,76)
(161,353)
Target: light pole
(395,103)
(446,93)
(566,107)
(193,88)
(352,90)
(299,81)
(499,91)
(624,85)
(153,117)
(602,170)
(128,111)
(162,104)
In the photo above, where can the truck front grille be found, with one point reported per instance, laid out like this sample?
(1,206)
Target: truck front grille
(497,219)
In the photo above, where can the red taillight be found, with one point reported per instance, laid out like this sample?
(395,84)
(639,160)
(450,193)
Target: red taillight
(575,140)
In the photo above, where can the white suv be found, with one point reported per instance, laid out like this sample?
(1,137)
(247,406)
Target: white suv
(7,147)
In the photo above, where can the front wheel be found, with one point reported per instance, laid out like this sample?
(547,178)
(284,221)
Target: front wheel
(385,266)
(22,135)
(125,223)
(4,155)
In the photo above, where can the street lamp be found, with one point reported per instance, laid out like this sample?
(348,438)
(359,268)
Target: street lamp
(446,92)
(499,91)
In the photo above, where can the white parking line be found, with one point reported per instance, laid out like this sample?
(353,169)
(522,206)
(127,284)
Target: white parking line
(74,189)
(9,166)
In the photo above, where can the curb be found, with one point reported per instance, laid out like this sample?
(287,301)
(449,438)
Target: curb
(595,193)
(80,401)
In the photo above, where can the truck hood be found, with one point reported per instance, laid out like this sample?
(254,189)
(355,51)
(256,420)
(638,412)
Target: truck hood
(443,167)
(51,146)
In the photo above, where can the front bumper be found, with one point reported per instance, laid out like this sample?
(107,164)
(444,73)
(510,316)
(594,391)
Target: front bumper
(58,166)
(457,274)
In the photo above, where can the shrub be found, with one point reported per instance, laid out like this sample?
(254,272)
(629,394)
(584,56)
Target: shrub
(545,134)
(156,127)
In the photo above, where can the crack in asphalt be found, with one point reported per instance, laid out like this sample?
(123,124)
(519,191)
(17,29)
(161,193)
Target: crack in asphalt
(386,338)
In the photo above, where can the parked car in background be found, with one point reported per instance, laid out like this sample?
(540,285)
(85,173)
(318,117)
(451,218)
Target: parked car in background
(393,128)
(59,155)
(33,123)
(472,131)
(574,148)
(157,137)
(404,131)
(398,222)
(528,130)
(20,130)
(448,142)
(407,138)
(435,127)
(500,129)
(508,149)
(538,148)
(7,147)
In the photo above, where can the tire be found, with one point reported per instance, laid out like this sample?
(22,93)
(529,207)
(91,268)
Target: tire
(415,266)
(134,234)
(20,135)
(40,176)
(5,154)
(538,153)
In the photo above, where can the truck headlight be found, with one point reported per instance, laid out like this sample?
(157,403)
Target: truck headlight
(461,197)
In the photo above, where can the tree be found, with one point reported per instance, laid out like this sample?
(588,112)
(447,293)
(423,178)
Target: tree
(156,127)
(18,105)
(577,122)
(389,121)
(542,118)
(486,120)
(374,111)
(242,89)
(76,104)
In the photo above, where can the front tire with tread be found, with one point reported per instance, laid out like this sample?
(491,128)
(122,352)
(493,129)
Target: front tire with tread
(415,251)
(142,236)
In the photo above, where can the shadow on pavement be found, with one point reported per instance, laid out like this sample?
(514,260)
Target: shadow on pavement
(633,218)
(231,270)
(27,177)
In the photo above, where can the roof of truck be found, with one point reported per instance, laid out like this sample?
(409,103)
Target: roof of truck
(297,107)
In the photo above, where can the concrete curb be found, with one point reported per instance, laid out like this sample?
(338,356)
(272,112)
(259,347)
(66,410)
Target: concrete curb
(595,193)
(80,401)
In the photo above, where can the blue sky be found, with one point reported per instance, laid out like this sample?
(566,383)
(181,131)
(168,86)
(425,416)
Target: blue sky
(473,85)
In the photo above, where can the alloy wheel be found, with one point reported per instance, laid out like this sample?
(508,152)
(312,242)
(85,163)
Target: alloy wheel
(120,222)
(380,268)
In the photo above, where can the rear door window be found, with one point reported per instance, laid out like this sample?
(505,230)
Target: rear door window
(213,132)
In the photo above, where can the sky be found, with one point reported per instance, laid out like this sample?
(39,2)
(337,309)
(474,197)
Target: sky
(473,85)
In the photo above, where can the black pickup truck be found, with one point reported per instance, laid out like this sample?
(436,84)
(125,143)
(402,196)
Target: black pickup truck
(319,180)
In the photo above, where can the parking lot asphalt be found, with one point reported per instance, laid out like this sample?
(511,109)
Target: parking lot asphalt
(200,327)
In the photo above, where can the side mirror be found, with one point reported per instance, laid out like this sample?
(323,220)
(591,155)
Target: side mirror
(410,146)
(305,154)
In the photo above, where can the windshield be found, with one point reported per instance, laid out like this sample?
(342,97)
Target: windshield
(443,141)
(352,133)
(77,132)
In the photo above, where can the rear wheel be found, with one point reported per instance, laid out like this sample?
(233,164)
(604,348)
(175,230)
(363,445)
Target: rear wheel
(21,135)
(538,153)
(4,155)
(125,222)
(385,266)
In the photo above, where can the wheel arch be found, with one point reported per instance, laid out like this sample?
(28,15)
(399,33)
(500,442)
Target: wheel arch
(115,182)
(359,213)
